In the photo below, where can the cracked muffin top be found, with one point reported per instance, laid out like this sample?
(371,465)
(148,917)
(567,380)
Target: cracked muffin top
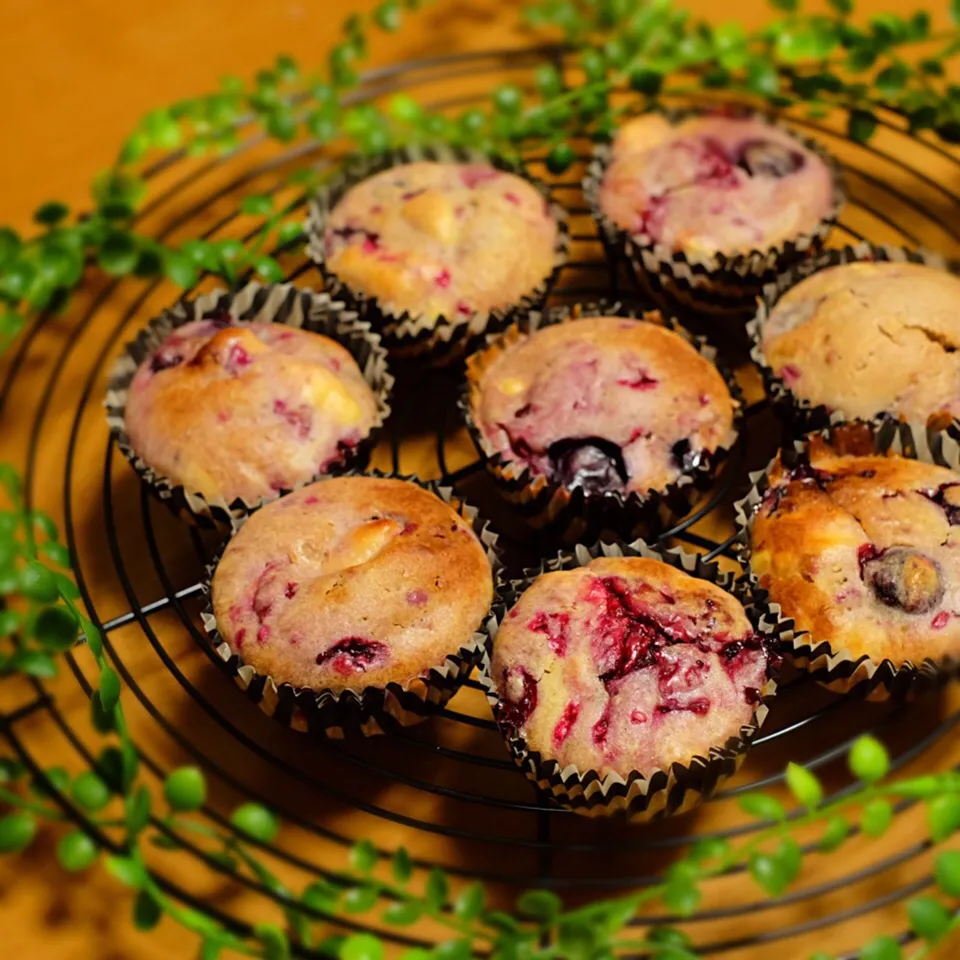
(714,184)
(626,664)
(230,409)
(864,552)
(351,582)
(604,403)
(442,239)
(870,338)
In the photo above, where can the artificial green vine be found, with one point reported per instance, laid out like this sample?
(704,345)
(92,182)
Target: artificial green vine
(816,62)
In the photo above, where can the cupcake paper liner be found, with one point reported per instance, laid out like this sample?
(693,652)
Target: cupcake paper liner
(335,715)
(574,515)
(722,286)
(800,415)
(839,670)
(662,793)
(431,341)
(275,303)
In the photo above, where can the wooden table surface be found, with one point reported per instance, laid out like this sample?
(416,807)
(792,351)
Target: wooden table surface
(78,76)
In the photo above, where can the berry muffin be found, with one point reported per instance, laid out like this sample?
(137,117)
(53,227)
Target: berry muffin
(435,249)
(609,406)
(861,551)
(357,584)
(625,667)
(238,410)
(865,338)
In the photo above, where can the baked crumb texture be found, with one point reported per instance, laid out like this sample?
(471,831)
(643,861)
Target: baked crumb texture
(588,419)
(354,604)
(862,551)
(631,681)
(860,333)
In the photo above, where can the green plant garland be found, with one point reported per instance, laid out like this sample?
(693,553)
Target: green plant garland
(817,62)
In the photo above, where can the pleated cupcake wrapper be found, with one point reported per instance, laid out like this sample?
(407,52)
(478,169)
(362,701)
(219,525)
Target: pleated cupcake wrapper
(637,796)
(337,714)
(273,303)
(800,415)
(573,515)
(839,670)
(426,340)
(714,284)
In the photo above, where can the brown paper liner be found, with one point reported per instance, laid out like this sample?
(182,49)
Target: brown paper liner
(722,286)
(839,670)
(800,415)
(337,714)
(575,516)
(274,303)
(662,793)
(426,340)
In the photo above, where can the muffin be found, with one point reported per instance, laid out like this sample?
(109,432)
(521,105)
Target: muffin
(236,410)
(363,586)
(861,551)
(732,195)
(434,250)
(861,339)
(609,407)
(626,668)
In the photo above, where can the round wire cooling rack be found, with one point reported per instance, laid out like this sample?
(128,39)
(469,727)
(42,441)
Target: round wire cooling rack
(446,790)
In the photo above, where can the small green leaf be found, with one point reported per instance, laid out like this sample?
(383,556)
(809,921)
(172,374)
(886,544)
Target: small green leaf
(762,78)
(321,896)
(892,80)
(34,663)
(943,816)
(843,7)
(146,911)
(548,80)
(103,721)
(776,870)
(181,269)
(76,852)
(929,918)
(56,628)
(257,206)
(681,897)
(507,99)
(137,810)
(288,232)
(360,899)
(804,785)
(90,792)
(947,872)
(836,832)
(11,770)
(89,629)
(401,866)
(788,6)
(646,81)
(17,831)
(281,123)
(453,950)
(877,817)
(361,946)
(268,269)
(883,947)
(50,214)
(118,254)
(109,688)
(404,108)
(37,583)
(869,760)
(388,16)
(56,552)
(286,68)
(55,781)
(363,856)
(9,244)
(542,905)
(560,158)
(437,888)
(256,821)
(185,789)
(128,870)
(9,622)
(402,914)
(469,902)
(762,807)
(276,946)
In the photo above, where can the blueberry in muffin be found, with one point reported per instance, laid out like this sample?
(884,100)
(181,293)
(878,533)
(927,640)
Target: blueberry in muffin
(861,339)
(235,410)
(352,583)
(450,240)
(714,184)
(603,404)
(861,551)
(626,665)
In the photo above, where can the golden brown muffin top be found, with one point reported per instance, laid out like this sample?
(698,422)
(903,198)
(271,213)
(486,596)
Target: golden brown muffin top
(626,664)
(351,582)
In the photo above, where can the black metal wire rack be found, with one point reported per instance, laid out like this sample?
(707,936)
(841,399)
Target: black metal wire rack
(447,789)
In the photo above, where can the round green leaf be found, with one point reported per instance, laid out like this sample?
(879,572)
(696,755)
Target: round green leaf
(388,16)
(861,125)
(541,905)
(76,852)
(560,158)
(472,121)
(437,888)
(57,552)
(804,785)
(109,688)
(17,831)
(257,206)
(762,807)
(268,269)
(146,911)
(548,80)
(16,278)
(881,948)
(947,872)
(181,269)
(361,946)
(56,628)
(50,214)
(34,663)
(360,899)
(469,902)
(593,65)
(929,918)
(834,834)
(185,789)
(405,108)
(276,946)
(402,914)
(507,99)
(943,816)
(103,721)
(281,123)
(256,821)
(877,817)
(127,870)
(363,856)
(90,792)
(37,583)
(869,760)
(118,254)
(9,244)
(9,622)
(682,898)
(646,81)
(289,231)
(762,78)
